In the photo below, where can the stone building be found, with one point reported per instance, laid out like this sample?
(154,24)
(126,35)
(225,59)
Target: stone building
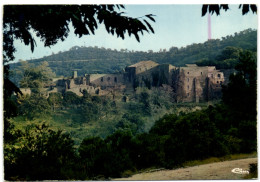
(195,84)
(188,84)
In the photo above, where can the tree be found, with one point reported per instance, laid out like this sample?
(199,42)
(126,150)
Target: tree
(55,100)
(94,155)
(34,106)
(240,93)
(37,77)
(39,154)
(50,22)
(240,97)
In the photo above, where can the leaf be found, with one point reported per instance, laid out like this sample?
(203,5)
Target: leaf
(137,37)
(224,6)
(253,8)
(245,9)
(150,17)
(150,27)
(204,9)
(76,17)
(214,8)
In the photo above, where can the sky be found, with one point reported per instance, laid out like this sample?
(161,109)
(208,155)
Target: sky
(176,26)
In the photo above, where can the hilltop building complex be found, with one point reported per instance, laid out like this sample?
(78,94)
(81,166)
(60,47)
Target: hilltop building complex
(186,84)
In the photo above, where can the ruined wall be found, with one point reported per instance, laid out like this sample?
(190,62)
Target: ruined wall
(154,76)
(106,80)
(192,82)
(188,84)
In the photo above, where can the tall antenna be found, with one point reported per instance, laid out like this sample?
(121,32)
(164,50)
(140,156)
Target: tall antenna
(209,26)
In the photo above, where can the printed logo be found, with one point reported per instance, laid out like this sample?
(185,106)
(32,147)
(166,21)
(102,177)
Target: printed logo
(239,171)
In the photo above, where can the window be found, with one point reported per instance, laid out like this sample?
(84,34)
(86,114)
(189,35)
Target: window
(188,72)
(201,73)
(188,79)
(217,81)
(220,82)
(188,87)
(188,94)
(219,75)
(108,78)
(101,79)
(115,79)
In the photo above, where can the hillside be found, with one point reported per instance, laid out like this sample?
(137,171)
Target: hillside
(101,60)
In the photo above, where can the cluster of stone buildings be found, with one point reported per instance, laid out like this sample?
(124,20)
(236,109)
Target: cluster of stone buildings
(186,84)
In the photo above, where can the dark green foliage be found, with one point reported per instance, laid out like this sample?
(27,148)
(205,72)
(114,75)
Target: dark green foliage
(228,59)
(253,169)
(70,98)
(55,100)
(120,143)
(34,106)
(132,122)
(40,154)
(144,98)
(95,157)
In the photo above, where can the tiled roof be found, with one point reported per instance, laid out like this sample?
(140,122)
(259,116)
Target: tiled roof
(141,63)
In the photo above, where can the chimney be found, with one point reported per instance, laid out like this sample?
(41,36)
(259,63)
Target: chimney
(75,74)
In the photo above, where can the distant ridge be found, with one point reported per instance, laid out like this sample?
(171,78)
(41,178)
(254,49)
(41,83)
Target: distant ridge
(101,60)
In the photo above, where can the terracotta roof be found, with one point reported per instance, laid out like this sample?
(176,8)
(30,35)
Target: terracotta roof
(141,63)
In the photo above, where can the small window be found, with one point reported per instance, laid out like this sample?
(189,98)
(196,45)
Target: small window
(188,79)
(188,94)
(217,82)
(101,79)
(219,75)
(115,79)
(211,75)
(188,72)
(188,87)
(108,78)
(201,73)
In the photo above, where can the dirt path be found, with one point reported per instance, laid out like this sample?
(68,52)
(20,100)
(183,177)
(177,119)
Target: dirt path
(218,170)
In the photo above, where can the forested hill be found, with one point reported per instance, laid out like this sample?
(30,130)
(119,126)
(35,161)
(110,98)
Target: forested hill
(101,60)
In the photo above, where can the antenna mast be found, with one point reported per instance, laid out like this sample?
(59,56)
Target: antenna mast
(209,26)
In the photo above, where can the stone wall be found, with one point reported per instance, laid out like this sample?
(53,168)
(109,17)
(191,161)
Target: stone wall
(106,80)
(188,84)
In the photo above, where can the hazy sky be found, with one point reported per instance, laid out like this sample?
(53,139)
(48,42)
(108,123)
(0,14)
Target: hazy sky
(176,25)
